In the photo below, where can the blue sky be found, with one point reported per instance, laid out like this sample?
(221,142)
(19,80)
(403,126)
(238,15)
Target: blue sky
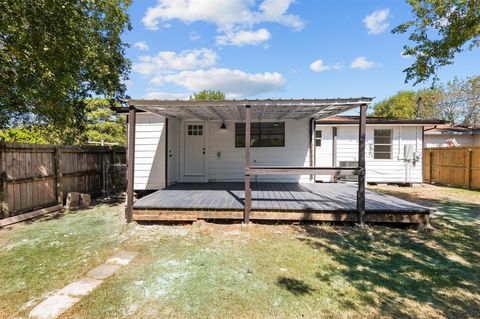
(273,48)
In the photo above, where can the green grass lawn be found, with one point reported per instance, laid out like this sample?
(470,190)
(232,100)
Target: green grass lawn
(288,271)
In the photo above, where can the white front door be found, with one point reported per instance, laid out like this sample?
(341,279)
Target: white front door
(194,149)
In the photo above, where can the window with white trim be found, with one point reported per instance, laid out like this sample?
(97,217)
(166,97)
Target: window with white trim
(382,144)
(318,138)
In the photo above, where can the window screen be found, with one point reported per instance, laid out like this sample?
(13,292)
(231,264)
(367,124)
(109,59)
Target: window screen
(268,134)
(382,144)
(318,138)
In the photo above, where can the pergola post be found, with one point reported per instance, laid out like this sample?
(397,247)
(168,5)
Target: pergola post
(361,164)
(130,162)
(248,191)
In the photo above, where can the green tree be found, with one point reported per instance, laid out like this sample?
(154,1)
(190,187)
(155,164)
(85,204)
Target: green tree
(100,124)
(206,95)
(55,53)
(103,124)
(404,104)
(441,29)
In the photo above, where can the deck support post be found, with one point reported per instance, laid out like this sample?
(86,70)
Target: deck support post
(130,162)
(248,191)
(361,164)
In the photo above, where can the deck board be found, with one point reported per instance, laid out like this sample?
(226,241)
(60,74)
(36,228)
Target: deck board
(272,197)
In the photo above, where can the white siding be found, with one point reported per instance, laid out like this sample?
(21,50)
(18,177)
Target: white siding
(149,152)
(229,164)
(324,153)
(394,170)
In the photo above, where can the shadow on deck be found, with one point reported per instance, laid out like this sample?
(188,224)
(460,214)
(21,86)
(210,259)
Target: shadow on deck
(274,201)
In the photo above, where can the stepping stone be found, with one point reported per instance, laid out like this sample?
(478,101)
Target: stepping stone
(52,307)
(103,271)
(81,287)
(122,258)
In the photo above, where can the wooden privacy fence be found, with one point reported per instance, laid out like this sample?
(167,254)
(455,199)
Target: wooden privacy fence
(457,166)
(37,176)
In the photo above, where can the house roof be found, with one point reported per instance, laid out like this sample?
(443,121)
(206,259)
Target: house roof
(347,120)
(448,129)
(235,109)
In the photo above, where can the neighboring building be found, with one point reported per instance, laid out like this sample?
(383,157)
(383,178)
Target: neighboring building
(393,147)
(448,136)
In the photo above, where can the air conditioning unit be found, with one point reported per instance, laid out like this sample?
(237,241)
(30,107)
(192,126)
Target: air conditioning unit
(348,178)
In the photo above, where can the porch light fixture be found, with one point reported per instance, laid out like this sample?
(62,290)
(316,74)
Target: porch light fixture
(223,126)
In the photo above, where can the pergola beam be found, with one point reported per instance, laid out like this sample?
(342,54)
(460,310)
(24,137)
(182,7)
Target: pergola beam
(191,113)
(264,109)
(130,162)
(215,113)
(248,190)
(361,163)
(340,108)
(155,111)
(239,111)
(289,112)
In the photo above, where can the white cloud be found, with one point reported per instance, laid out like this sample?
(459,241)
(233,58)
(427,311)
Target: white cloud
(320,66)
(377,22)
(165,61)
(194,36)
(362,63)
(167,95)
(242,37)
(235,83)
(337,66)
(141,45)
(224,13)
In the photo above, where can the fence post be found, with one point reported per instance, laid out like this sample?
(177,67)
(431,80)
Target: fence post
(58,175)
(469,169)
(4,209)
(430,177)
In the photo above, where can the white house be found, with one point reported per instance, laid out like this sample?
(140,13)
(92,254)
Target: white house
(211,150)
(227,159)
(447,136)
(393,147)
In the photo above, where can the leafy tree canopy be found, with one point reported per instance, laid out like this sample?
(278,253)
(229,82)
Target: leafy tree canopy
(457,102)
(404,104)
(55,53)
(101,124)
(206,95)
(440,30)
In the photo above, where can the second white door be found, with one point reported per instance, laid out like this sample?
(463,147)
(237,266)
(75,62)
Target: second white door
(194,149)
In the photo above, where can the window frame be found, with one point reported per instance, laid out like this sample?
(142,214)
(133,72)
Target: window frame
(257,126)
(318,139)
(383,144)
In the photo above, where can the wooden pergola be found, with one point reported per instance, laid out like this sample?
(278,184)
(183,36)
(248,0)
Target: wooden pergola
(246,111)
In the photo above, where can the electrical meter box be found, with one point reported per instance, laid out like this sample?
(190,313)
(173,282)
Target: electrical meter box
(409,152)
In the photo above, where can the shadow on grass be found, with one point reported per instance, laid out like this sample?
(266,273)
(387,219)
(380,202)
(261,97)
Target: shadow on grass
(436,269)
(295,286)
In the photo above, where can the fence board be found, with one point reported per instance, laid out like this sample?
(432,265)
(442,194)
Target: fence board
(456,166)
(29,174)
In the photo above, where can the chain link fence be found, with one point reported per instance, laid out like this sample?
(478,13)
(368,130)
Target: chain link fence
(116,179)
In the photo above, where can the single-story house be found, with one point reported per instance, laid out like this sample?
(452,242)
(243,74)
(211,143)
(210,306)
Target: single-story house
(447,135)
(194,156)
(393,147)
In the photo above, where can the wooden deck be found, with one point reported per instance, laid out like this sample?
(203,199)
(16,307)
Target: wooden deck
(274,201)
